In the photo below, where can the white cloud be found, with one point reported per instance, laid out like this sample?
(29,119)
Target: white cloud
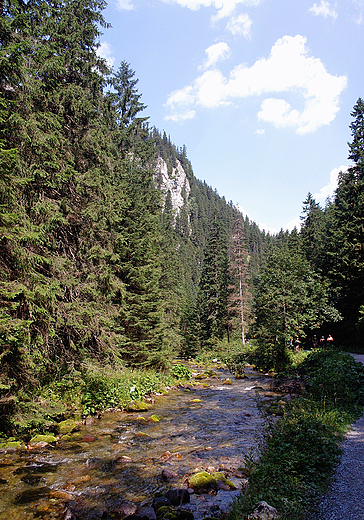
(105,51)
(328,190)
(190,114)
(240,25)
(125,5)
(287,69)
(295,223)
(360,5)
(260,131)
(215,53)
(224,7)
(323,9)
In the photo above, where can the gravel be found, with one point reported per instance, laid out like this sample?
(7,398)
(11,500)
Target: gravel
(345,498)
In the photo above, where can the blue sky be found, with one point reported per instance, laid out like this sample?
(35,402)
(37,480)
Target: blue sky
(259,91)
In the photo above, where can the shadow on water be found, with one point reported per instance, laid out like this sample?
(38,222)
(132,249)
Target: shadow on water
(200,428)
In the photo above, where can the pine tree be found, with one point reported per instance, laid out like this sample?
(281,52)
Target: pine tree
(291,299)
(126,105)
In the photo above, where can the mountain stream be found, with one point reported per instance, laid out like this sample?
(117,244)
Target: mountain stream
(210,427)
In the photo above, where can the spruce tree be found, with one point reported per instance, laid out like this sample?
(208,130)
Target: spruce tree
(345,237)
(212,294)
(240,297)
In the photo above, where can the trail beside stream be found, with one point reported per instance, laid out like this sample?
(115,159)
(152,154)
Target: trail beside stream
(345,499)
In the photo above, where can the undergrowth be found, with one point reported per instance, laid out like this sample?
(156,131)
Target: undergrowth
(301,449)
(87,391)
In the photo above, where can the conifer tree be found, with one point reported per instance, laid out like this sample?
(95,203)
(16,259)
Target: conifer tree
(312,232)
(212,294)
(346,239)
(240,296)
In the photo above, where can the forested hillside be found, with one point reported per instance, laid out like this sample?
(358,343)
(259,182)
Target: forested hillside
(95,261)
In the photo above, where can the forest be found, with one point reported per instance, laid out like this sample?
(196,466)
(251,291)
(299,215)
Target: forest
(99,270)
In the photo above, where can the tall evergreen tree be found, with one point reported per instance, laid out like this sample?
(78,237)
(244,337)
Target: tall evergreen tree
(240,297)
(346,245)
(212,295)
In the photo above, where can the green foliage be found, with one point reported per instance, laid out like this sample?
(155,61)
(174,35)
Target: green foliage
(180,371)
(336,377)
(302,448)
(291,300)
(104,388)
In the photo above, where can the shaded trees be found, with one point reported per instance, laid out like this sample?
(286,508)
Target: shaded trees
(290,299)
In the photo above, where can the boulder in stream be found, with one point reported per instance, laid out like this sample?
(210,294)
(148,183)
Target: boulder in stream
(137,406)
(168,474)
(204,482)
(125,508)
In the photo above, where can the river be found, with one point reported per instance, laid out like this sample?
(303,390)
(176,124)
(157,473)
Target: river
(211,427)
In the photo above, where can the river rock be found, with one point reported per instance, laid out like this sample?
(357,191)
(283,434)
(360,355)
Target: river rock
(263,511)
(203,482)
(62,495)
(137,406)
(168,474)
(147,513)
(42,441)
(178,496)
(67,426)
(160,501)
(88,438)
(207,506)
(125,508)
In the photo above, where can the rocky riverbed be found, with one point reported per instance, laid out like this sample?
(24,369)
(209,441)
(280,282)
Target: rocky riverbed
(212,425)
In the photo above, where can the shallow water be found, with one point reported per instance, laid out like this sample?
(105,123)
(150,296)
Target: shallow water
(128,455)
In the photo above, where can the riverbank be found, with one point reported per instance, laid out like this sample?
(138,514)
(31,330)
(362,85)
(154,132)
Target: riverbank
(344,499)
(302,449)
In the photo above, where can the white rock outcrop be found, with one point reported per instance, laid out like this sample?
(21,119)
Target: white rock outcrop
(175,182)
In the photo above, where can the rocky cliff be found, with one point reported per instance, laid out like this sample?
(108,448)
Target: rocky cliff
(175,181)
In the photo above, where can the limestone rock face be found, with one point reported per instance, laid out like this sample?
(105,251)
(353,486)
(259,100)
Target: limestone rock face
(175,181)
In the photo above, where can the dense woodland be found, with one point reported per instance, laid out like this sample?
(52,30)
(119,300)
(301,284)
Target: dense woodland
(94,262)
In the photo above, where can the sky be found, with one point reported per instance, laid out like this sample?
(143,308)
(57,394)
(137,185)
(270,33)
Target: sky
(259,91)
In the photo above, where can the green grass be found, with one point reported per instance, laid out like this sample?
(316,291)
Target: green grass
(301,449)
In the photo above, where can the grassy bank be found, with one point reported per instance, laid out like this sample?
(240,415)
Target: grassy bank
(88,391)
(301,449)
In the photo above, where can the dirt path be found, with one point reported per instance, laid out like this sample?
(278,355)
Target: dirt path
(345,499)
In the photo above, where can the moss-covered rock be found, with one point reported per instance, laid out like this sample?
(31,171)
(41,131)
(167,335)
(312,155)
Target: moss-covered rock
(219,476)
(202,482)
(137,406)
(77,436)
(67,426)
(13,445)
(165,510)
(49,439)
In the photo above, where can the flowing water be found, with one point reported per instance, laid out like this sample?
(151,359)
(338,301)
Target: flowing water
(123,454)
